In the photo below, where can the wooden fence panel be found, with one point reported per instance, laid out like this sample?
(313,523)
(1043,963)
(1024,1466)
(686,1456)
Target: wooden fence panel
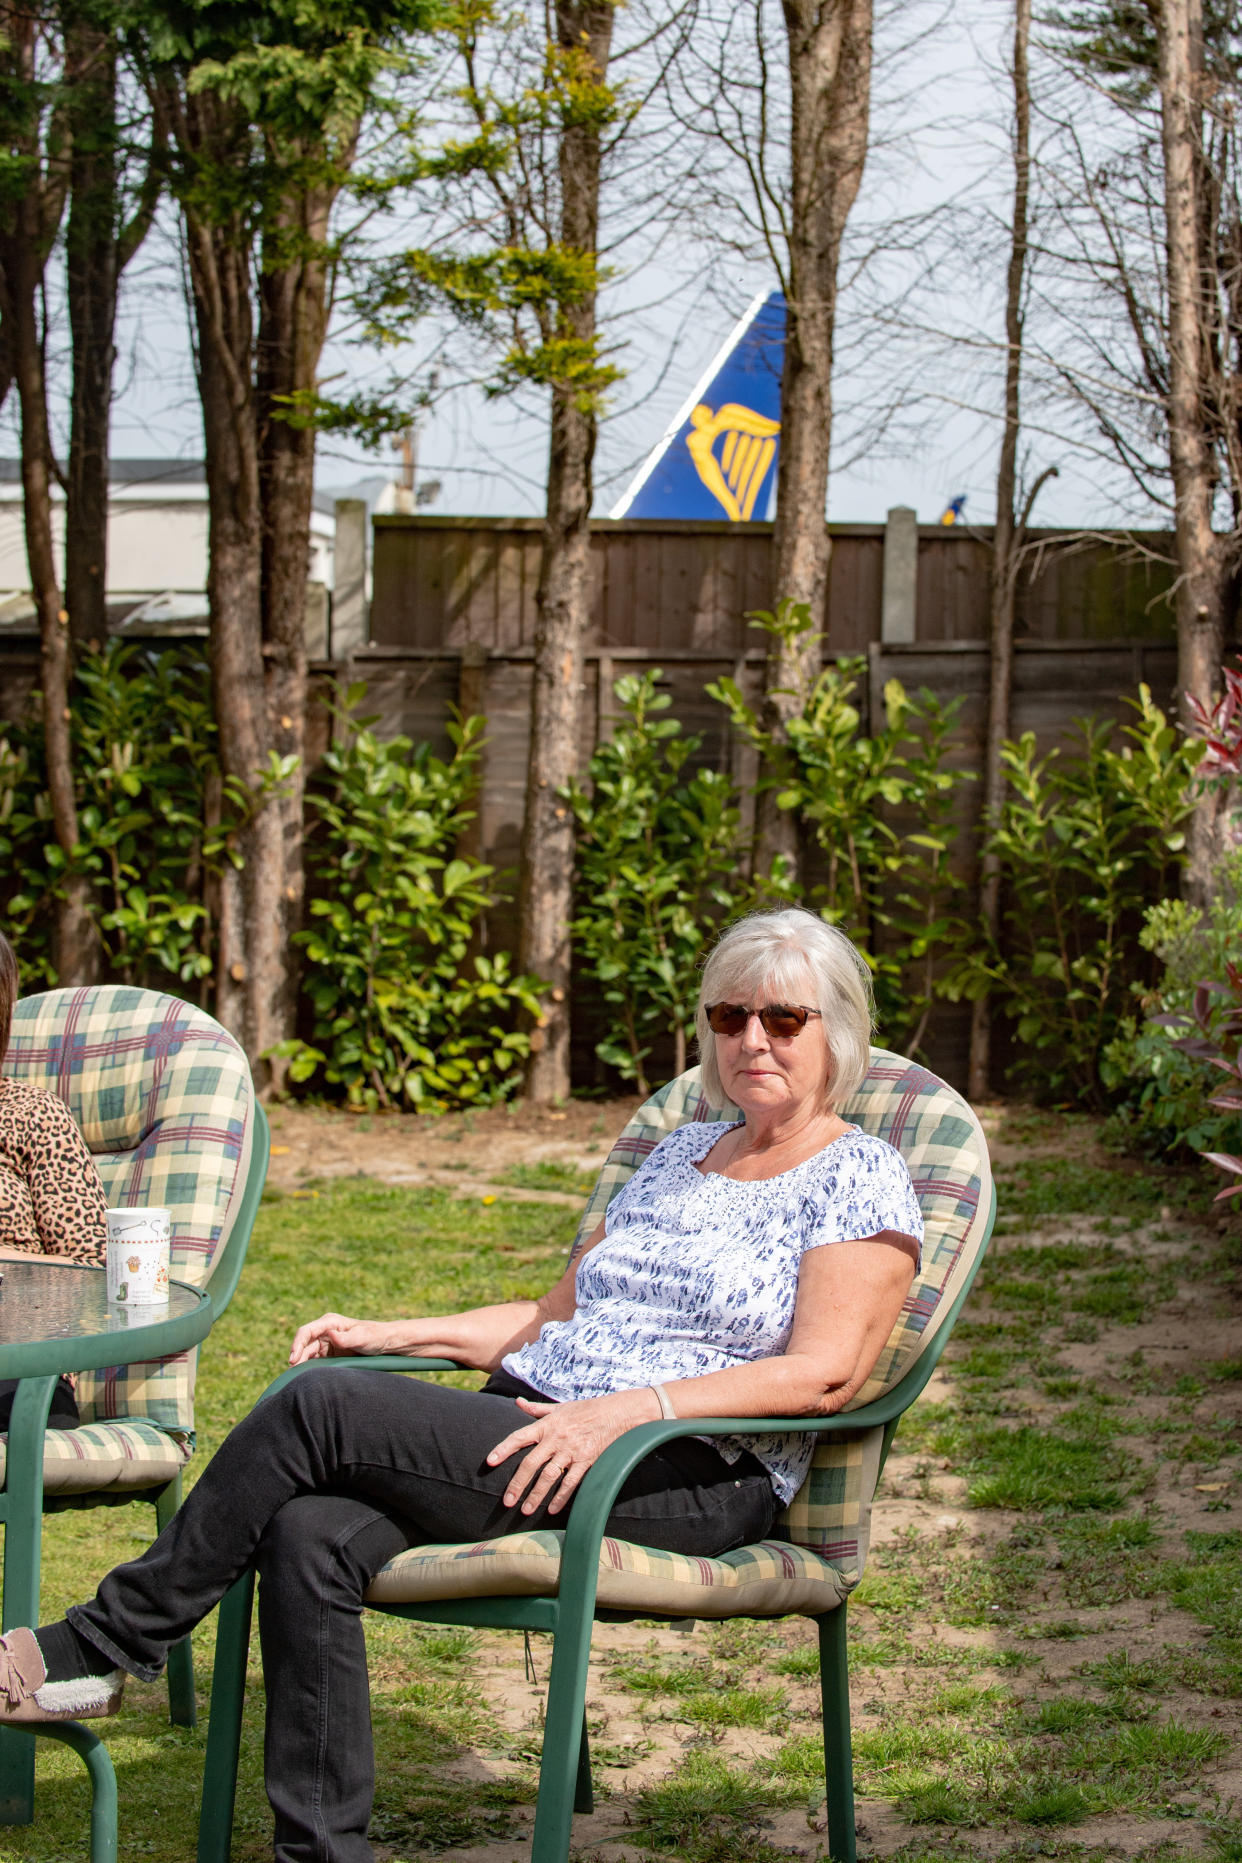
(855,588)
(456,581)
(1098,588)
(19,675)
(952,602)
(1054,683)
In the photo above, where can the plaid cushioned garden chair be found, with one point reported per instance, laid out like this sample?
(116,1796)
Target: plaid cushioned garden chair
(163,1097)
(558,1582)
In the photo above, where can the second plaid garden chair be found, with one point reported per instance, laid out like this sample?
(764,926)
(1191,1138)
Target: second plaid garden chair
(556,1581)
(163,1097)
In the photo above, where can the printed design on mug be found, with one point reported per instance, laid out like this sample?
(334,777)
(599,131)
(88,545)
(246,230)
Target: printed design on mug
(138,1256)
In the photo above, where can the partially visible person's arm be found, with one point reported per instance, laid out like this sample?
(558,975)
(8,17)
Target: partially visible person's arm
(477,1339)
(66,1196)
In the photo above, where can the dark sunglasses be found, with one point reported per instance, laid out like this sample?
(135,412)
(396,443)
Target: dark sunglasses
(783,1020)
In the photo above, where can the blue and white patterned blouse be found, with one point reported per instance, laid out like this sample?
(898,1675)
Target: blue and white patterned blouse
(699,1272)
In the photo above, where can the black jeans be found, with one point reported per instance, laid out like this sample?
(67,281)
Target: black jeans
(318,1488)
(63,1414)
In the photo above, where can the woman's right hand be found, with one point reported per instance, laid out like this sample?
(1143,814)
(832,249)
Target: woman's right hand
(334,1335)
(477,1339)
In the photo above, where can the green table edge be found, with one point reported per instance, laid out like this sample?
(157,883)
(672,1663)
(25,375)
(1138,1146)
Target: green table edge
(43,1358)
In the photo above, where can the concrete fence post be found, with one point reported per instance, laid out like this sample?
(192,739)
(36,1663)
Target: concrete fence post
(350,629)
(901,571)
(316,621)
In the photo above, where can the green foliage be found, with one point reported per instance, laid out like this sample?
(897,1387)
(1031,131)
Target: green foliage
(299,103)
(1115,44)
(404,1014)
(153,819)
(519,167)
(1164,1091)
(301,72)
(881,808)
(25,829)
(145,761)
(494,292)
(656,874)
(1086,840)
(373,419)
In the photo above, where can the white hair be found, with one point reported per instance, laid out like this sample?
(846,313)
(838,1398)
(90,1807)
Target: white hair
(792,956)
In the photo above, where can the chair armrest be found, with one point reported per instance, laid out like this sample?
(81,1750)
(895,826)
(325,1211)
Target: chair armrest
(378,1362)
(603,1481)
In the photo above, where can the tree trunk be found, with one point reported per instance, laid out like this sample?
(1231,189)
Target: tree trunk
(1200,558)
(547,850)
(218,256)
(1005,545)
(830,97)
(27,233)
(92,280)
(260,478)
(76,946)
(293,297)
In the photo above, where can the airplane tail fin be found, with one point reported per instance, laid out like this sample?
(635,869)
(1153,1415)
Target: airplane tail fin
(717,458)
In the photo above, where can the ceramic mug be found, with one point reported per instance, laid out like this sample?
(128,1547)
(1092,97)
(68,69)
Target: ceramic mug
(138,1244)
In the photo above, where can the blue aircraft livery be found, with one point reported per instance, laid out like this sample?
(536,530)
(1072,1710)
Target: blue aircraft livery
(717,458)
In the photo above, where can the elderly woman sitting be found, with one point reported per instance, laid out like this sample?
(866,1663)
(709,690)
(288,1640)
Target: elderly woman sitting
(746,1270)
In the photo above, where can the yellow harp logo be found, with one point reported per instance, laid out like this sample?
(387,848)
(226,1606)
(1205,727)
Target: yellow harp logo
(734,474)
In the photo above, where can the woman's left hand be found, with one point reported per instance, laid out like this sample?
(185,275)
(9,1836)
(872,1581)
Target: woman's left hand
(563,1440)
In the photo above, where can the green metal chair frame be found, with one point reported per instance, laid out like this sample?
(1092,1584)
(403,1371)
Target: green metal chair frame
(565,1769)
(21,1514)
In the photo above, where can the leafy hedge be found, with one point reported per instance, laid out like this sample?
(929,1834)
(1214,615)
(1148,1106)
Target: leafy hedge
(406,1012)
(403,1004)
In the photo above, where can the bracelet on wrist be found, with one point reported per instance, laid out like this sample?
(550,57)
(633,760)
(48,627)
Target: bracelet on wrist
(665,1402)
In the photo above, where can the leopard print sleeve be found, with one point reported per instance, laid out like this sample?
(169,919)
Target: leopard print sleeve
(51,1199)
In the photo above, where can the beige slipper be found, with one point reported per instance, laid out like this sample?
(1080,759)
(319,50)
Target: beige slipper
(26,1695)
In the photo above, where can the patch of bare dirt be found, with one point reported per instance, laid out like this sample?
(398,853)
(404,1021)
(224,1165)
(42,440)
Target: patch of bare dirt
(457,1151)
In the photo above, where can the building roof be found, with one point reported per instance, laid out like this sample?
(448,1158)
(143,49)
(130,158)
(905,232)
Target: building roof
(130,472)
(187,477)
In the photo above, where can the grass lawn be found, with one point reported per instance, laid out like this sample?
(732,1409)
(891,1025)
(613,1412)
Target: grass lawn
(1047,1641)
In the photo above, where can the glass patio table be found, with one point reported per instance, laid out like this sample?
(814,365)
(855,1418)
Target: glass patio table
(55,1317)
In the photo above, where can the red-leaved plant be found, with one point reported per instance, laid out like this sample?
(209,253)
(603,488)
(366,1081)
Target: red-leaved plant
(1220,727)
(1219,1043)
(1219,1040)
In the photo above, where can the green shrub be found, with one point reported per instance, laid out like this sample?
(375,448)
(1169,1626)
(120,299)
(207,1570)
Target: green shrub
(882,809)
(152,819)
(25,880)
(1087,840)
(657,872)
(1164,1091)
(404,1013)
